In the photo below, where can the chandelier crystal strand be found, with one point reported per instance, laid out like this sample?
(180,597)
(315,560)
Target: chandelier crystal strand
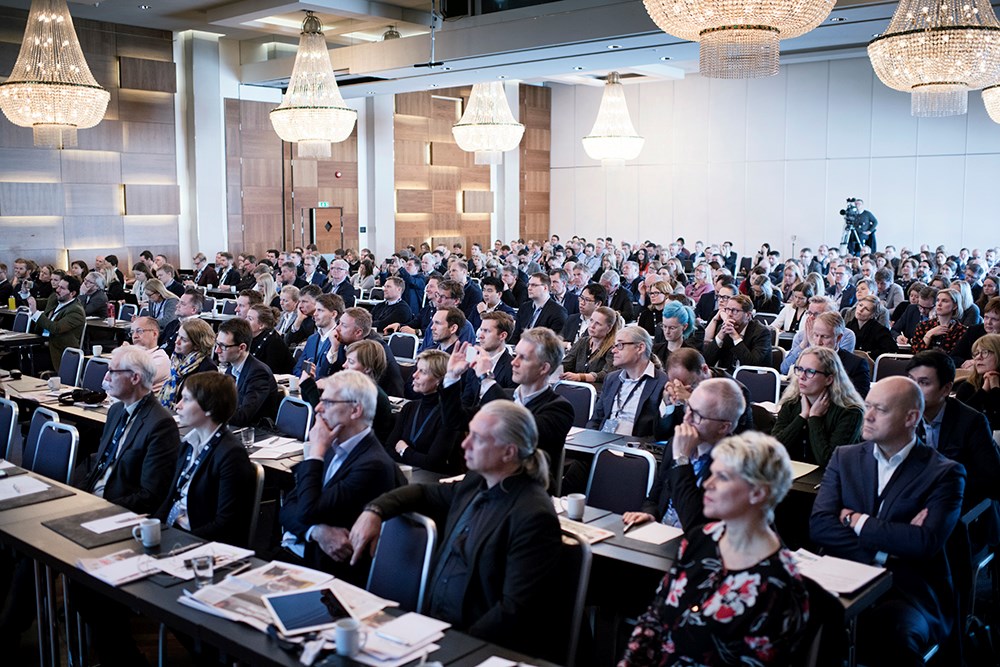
(938,51)
(738,39)
(312,112)
(613,138)
(991,98)
(50,88)
(487,128)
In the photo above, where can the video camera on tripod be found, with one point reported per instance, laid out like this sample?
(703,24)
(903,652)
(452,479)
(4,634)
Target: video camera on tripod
(851,238)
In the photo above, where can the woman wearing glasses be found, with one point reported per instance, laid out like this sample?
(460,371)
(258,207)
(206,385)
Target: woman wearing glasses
(591,359)
(702,282)
(162,302)
(192,354)
(790,317)
(652,314)
(677,329)
(982,389)
(820,410)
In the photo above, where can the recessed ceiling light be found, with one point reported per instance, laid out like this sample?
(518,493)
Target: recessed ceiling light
(144,7)
(578,69)
(502,76)
(446,69)
(434,85)
(665,58)
(837,19)
(371,92)
(614,47)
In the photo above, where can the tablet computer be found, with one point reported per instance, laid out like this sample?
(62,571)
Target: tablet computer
(305,611)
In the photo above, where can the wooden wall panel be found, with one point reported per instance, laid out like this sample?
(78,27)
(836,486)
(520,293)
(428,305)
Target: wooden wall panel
(145,106)
(446,178)
(30,233)
(108,135)
(411,152)
(26,199)
(535,108)
(142,230)
(305,173)
(231,114)
(411,128)
(91,166)
(142,74)
(260,143)
(412,177)
(414,201)
(258,172)
(477,201)
(92,199)
(449,155)
(147,137)
(152,200)
(327,174)
(261,200)
(96,231)
(149,169)
(27,165)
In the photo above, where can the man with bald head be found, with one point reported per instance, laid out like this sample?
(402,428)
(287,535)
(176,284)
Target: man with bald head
(892,500)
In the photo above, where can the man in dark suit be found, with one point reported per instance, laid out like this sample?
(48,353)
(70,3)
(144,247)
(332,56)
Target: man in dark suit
(619,299)
(516,293)
(903,328)
(828,331)
(204,275)
(592,296)
(561,294)
(713,411)
(893,500)
(842,290)
(500,514)
(737,337)
(960,433)
(629,403)
(188,306)
(311,275)
(492,302)
(393,310)
(472,296)
(540,310)
(493,365)
(256,390)
(63,321)
(6,289)
(448,294)
(228,274)
(346,467)
(135,460)
(315,358)
(338,282)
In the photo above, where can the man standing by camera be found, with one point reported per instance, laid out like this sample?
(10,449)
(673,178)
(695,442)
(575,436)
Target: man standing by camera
(866,224)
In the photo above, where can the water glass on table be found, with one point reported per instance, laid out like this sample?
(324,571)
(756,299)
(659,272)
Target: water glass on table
(204,570)
(247,437)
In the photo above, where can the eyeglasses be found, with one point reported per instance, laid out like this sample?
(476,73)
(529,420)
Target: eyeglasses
(335,401)
(585,299)
(621,346)
(732,311)
(982,354)
(139,332)
(808,372)
(697,418)
(226,346)
(654,292)
(117,370)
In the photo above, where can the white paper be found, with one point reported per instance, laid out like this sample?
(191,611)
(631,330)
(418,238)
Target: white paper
(116,522)
(223,553)
(273,453)
(800,469)
(411,629)
(277,441)
(496,661)
(770,406)
(359,603)
(384,649)
(573,430)
(450,480)
(654,532)
(368,659)
(118,568)
(4,465)
(21,485)
(837,575)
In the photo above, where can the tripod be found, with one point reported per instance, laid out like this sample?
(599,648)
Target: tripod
(851,240)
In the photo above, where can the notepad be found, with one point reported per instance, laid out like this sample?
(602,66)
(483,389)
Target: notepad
(116,522)
(800,469)
(654,532)
(837,575)
(411,629)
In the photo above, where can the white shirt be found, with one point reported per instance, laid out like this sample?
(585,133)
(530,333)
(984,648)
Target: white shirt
(197,444)
(630,393)
(103,481)
(886,469)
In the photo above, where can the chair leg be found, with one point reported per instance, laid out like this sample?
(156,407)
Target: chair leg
(161,652)
(40,612)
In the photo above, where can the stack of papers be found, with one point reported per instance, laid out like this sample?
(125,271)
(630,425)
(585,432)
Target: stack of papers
(800,469)
(116,522)
(119,568)
(22,485)
(276,447)
(179,565)
(400,640)
(654,532)
(837,575)
(590,534)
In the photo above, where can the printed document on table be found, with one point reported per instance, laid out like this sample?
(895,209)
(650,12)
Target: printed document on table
(22,485)
(800,469)
(654,532)
(837,575)
(116,522)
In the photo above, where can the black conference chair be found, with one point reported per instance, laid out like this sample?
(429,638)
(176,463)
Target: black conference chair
(229,307)
(70,365)
(94,372)
(620,478)
(22,322)
(889,364)
(8,425)
(575,558)
(295,418)
(128,312)
(582,396)
(208,304)
(39,418)
(55,451)
(403,346)
(402,562)
(763,382)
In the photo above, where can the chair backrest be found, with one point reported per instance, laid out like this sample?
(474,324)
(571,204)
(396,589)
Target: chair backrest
(377,294)
(208,304)
(403,346)
(255,510)
(402,562)
(94,372)
(8,425)
(575,558)
(128,312)
(867,357)
(889,364)
(22,322)
(620,478)
(55,453)
(823,643)
(70,365)
(39,418)
(229,307)
(766,318)
(144,311)
(582,396)
(777,357)
(295,418)
(764,383)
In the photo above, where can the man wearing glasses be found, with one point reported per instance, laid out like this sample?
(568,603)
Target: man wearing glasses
(712,412)
(63,321)
(740,339)
(540,310)
(345,467)
(592,296)
(145,332)
(803,338)
(914,314)
(92,297)
(630,399)
(256,390)
(842,290)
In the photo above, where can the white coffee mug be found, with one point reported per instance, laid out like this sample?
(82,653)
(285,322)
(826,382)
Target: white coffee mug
(210,286)
(54,383)
(97,350)
(147,533)
(349,637)
(293,384)
(574,505)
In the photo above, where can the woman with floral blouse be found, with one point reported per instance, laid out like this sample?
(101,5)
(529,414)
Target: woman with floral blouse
(945,328)
(734,596)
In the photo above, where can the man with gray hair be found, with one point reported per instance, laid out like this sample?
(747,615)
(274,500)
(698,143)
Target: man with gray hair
(339,283)
(134,463)
(629,403)
(496,566)
(92,297)
(344,468)
(618,299)
(630,272)
(817,306)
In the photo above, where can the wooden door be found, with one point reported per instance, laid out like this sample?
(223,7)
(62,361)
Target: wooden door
(330,232)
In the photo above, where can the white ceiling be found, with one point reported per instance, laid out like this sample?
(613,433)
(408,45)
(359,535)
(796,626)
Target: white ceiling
(568,41)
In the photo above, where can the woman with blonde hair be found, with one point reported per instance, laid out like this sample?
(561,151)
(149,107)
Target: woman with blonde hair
(703,282)
(656,297)
(871,328)
(192,354)
(162,302)
(265,285)
(971,315)
(590,359)
(817,282)
(791,278)
(763,296)
(945,328)
(981,390)
(820,410)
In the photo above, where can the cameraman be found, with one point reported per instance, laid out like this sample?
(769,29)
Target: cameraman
(866,224)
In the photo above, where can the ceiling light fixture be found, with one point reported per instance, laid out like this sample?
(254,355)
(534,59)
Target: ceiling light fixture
(938,51)
(991,98)
(613,138)
(738,39)
(487,127)
(577,69)
(312,112)
(50,88)
(614,47)
(391,33)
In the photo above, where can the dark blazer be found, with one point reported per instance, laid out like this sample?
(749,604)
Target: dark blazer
(65,328)
(514,554)
(753,350)
(926,479)
(221,493)
(571,302)
(965,436)
(318,278)
(306,329)
(314,352)
(516,295)
(572,328)
(907,324)
(140,477)
(269,347)
(256,393)
(391,381)
(6,291)
(707,306)
(431,446)
(962,351)
(847,298)
(665,425)
(96,304)
(365,474)
(471,298)
(857,369)
(621,302)
(503,375)
(206,277)
(553,316)
(680,484)
(413,288)
(229,276)
(383,314)
(168,336)
(346,291)
(873,338)
(649,402)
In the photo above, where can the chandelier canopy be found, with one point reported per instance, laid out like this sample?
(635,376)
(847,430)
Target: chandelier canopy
(312,112)
(991,98)
(51,89)
(487,127)
(738,39)
(613,138)
(938,50)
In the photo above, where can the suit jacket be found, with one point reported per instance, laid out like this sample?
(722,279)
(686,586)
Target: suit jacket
(6,291)
(621,302)
(318,278)
(648,413)
(228,277)
(65,328)
(847,298)
(221,492)
(365,474)
(502,375)
(471,298)
(873,338)
(413,289)
(571,302)
(167,312)
(315,352)
(306,329)
(753,350)
(857,369)
(907,323)
(553,316)
(206,277)
(926,479)
(140,477)
(571,330)
(680,484)
(514,555)
(256,393)
(95,304)
(168,336)
(516,295)
(391,381)
(346,291)
(965,436)
(269,347)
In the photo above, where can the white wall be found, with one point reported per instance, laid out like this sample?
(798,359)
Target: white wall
(763,160)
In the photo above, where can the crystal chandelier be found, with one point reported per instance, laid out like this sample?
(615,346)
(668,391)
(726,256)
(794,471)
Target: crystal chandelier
(613,140)
(938,50)
(991,98)
(487,127)
(738,39)
(313,113)
(51,89)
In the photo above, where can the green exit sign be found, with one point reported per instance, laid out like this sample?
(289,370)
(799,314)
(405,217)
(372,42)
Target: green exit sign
(323,204)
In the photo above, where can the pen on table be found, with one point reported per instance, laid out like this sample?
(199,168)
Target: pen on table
(628,526)
(245,566)
(815,487)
